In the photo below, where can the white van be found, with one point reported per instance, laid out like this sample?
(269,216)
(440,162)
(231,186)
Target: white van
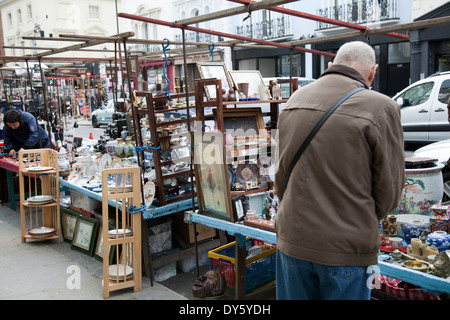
(424,109)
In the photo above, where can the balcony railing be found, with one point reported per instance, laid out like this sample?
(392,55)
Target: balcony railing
(263,30)
(359,12)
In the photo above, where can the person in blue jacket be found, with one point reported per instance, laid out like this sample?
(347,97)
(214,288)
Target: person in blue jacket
(21,132)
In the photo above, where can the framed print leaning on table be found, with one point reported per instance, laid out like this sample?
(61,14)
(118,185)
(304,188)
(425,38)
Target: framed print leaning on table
(211,176)
(68,221)
(84,235)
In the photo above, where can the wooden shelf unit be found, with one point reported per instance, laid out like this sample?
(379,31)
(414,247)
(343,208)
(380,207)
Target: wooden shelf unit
(127,245)
(37,183)
(234,153)
(160,137)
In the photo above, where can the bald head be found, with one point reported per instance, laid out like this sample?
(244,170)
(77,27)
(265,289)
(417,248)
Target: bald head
(357,55)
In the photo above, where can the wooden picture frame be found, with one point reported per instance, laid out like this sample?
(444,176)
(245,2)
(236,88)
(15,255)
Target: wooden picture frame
(245,122)
(133,65)
(84,235)
(98,252)
(211,176)
(254,80)
(68,224)
(218,70)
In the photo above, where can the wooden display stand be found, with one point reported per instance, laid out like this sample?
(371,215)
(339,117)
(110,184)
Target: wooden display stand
(162,139)
(39,179)
(124,237)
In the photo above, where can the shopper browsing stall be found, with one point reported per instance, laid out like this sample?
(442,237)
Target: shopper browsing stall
(22,132)
(349,177)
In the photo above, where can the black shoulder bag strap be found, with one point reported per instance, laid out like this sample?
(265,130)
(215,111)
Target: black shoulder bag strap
(314,131)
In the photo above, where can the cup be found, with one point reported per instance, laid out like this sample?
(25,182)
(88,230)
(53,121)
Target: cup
(395,242)
(243,88)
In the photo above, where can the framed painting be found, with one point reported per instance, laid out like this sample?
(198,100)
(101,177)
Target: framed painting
(254,80)
(84,235)
(98,252)
(211,176)
(245,122)
(218,70)
(68,221)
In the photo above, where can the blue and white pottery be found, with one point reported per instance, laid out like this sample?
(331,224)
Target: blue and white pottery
(414,229)
(440,240)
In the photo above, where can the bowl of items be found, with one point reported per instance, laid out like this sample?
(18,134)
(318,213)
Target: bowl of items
(417,265)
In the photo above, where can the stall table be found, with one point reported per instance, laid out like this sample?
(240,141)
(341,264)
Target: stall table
(428,282)
(11,166)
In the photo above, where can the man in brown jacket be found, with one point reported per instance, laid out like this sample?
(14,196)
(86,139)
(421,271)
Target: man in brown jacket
(349,177)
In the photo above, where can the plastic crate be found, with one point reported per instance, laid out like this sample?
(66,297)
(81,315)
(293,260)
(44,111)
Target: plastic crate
(260,268)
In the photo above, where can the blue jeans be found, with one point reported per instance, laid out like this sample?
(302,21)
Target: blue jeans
(303,280)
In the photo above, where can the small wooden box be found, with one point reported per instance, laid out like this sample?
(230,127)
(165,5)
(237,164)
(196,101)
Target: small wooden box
(186,231)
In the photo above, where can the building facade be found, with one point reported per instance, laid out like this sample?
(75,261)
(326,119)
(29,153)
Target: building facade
(401,61)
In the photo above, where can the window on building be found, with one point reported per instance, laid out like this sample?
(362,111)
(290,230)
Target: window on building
(29,12)
(94,12)
(443,63)
(399,52)
(10,19)
(19,16)
(297,66)
(247,64)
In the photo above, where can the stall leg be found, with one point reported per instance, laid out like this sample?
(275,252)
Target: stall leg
(240,267)
(148,266)
(11,194)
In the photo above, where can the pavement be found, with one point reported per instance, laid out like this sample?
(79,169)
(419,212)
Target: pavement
(45,270)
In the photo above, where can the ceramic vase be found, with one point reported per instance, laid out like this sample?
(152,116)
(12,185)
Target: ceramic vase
(423,188)
(440,219)
(414,229)
(440,240)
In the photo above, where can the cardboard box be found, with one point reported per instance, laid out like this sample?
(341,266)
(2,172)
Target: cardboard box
(186,231)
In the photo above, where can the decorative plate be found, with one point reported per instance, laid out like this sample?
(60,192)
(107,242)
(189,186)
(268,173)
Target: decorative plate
(114,188)
(247,173)
(390,249)
(40,199)
(149,193)
(41,232)
(265,165)
(119,233)
(231,176)
(105,161)
(116,163)
(118,272)
(38,169)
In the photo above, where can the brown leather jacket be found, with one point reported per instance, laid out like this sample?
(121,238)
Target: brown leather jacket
(350,176)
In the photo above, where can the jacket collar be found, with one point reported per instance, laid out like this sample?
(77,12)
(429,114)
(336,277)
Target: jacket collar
(345,71)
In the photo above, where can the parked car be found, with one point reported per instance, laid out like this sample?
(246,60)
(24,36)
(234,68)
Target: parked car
(104,115)
(424,109)
(440,151)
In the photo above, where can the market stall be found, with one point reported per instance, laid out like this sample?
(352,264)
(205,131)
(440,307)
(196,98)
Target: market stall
(234,195)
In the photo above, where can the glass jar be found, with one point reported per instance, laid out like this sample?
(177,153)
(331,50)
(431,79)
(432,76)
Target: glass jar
(120,148)
(111,147)
(129,146)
